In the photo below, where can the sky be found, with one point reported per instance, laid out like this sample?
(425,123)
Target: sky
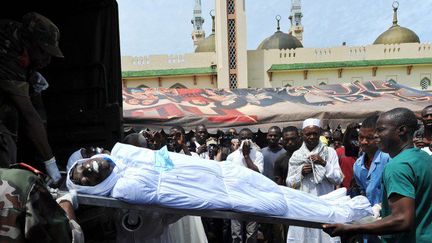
(151,27)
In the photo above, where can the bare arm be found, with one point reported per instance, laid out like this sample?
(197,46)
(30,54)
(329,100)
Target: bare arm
(68,208)
(400,220)
(250,164)
(186,150)
(246,149)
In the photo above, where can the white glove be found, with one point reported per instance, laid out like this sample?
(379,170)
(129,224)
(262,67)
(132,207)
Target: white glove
(53,192)
(71,197)
(39,84)
(376,210)
(52,169)
(77,233)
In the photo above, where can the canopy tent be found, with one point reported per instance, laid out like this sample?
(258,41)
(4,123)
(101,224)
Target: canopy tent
(262,108)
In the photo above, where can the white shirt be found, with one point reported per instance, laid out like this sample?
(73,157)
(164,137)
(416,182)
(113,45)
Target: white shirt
(204,155)
(427,150)
(255,155)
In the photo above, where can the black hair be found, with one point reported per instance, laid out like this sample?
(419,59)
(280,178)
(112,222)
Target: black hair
(403,116)
(178,128)
(427,107)
(136,139)
(370,122)
(325,130)
(200,125)
(290,129)
(246,130)
(276,128)
(337,135)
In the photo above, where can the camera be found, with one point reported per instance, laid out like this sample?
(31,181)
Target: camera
(225,140)
(212,150)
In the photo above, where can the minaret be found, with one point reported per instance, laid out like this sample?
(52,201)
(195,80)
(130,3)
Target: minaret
(198,33)
(231,49)
(296,28)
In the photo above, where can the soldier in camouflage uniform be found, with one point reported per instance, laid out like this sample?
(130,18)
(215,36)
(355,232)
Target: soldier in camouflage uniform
(24,48)
(28,213)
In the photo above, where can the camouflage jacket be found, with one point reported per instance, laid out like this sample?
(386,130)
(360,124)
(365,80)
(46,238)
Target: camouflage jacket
(14,69)
(28,213)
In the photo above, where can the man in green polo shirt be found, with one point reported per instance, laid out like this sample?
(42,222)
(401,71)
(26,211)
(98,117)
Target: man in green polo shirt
(407,185)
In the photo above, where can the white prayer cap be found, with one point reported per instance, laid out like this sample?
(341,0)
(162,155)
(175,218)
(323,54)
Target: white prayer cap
(311,122)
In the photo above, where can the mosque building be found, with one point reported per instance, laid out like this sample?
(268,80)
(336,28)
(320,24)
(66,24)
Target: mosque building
(221,60)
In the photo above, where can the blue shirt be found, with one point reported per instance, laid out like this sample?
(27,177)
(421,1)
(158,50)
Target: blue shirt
(369,181)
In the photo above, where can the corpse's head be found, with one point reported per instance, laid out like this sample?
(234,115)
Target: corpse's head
(92,171)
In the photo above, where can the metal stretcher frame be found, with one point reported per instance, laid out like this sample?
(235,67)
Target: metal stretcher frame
(85,199)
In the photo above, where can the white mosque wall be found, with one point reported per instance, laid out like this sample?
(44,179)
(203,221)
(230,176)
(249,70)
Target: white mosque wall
(347,53)
(201,82)
(260,61)
(160,62)
(317,77)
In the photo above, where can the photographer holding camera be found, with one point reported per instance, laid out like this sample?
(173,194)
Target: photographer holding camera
(176,141)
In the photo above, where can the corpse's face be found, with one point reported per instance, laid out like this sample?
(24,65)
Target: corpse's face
(311,136)
(92,172)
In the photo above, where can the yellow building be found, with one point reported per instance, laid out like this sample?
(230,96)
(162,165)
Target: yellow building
(222,61)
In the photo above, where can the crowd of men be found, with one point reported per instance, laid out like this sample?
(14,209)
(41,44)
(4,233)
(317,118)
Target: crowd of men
(387,158)
(314,160)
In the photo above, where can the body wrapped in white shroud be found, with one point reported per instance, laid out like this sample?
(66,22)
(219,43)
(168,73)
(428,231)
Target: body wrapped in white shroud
(195,183)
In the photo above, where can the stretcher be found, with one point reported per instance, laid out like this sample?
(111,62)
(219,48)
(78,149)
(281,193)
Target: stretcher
(91,200)
(131,220)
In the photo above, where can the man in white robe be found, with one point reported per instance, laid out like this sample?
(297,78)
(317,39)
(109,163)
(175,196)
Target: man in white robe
(249,156)
(313,168)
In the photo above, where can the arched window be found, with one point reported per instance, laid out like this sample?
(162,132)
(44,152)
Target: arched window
(425,83)
(287,85)
(322,83)
(178,86)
